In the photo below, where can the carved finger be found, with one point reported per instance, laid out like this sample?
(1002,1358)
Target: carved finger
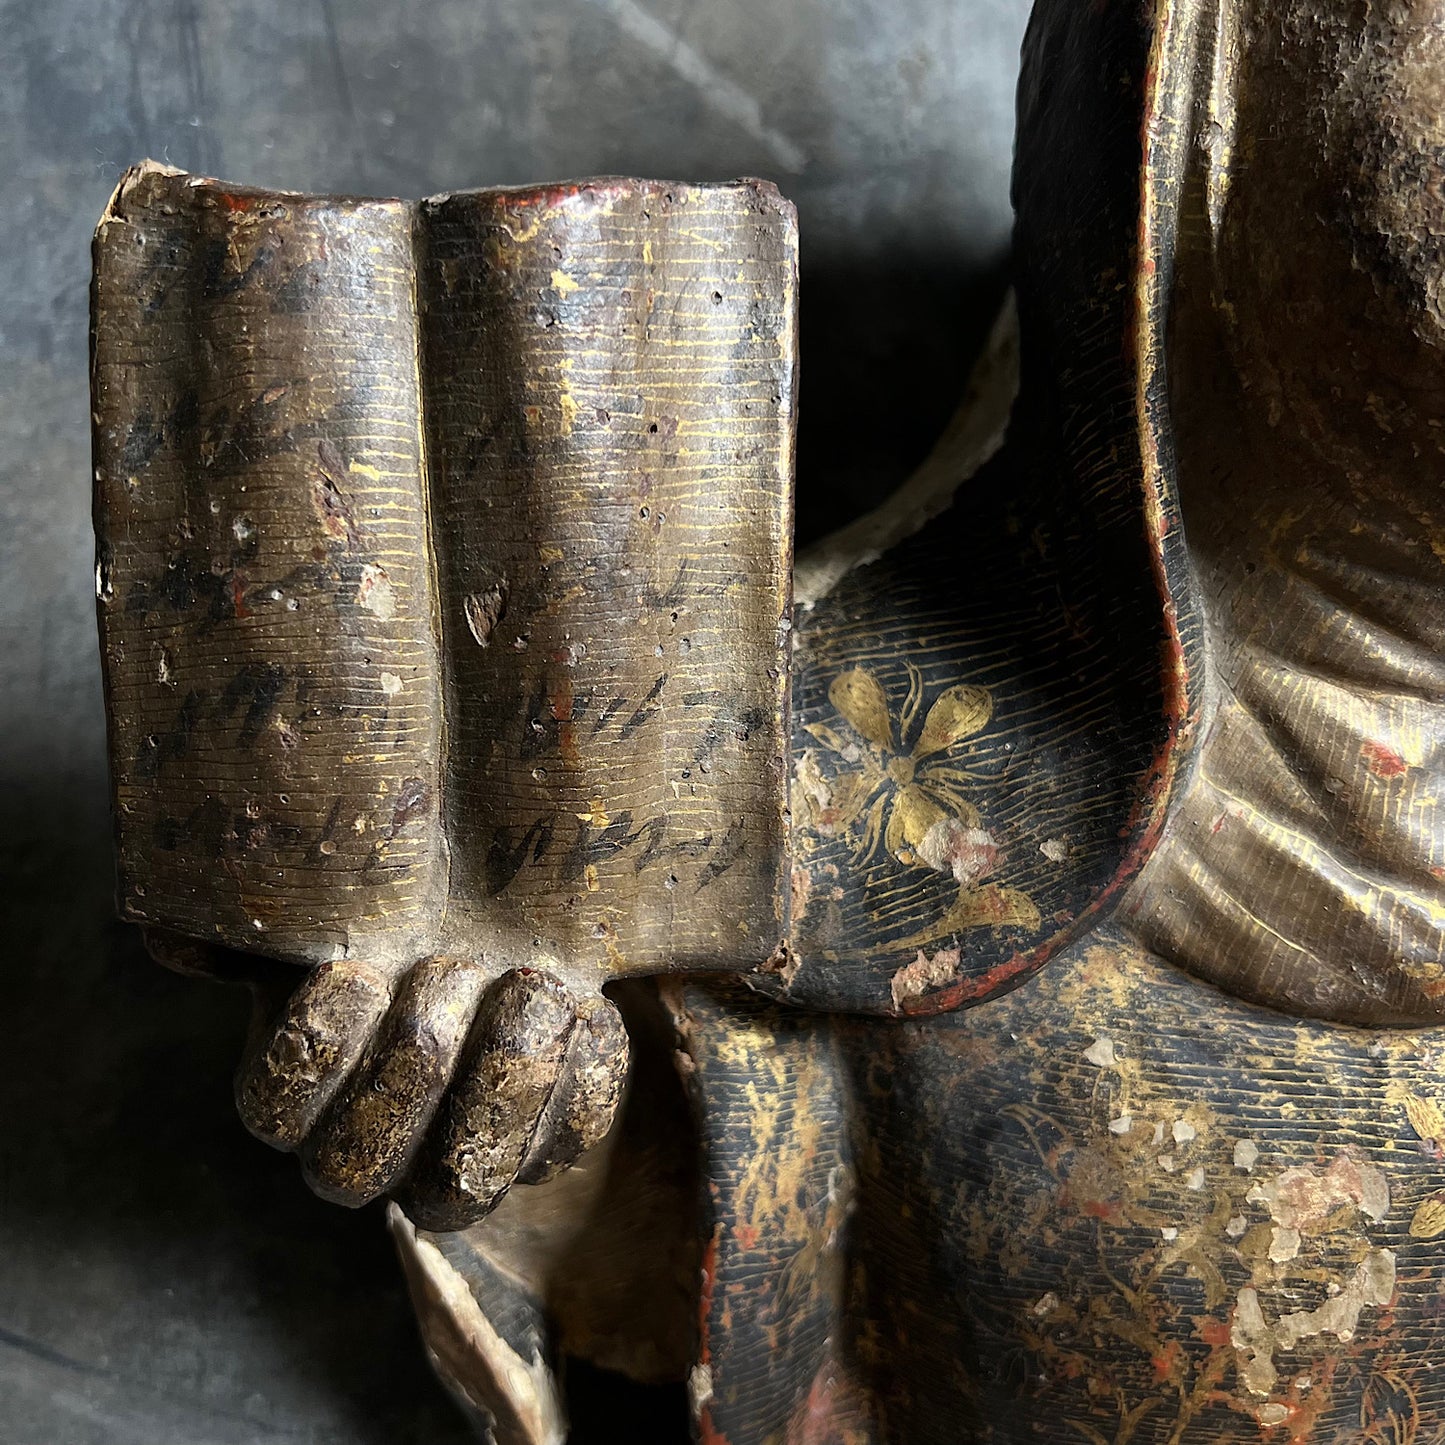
(363,1144)
(295,1064)
(539,1085)
(584,1101)
(486,1126)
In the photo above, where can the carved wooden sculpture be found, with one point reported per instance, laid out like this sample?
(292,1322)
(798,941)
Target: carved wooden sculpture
(1153,695)
(443,579)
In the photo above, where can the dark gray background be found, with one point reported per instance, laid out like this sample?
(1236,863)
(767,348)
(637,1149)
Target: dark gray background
(162,1277)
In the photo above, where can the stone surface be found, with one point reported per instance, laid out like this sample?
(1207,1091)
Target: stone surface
(163,1278)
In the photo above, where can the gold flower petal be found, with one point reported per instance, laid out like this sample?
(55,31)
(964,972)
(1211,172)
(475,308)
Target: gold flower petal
(1426,1117)
(909,820)
(872,827)
(958,713)
(1429,1220)
(850,795)
(831,803)
(939,788)
(858,695)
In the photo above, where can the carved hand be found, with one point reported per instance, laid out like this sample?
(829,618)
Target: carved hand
(440,1084)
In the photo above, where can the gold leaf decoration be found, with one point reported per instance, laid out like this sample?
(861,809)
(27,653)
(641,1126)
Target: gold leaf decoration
(830,739)
(959,713)
(1429,1219)
(858,695)
(850,797)
(909,821)
(913,805)
(987,907)
(1425,1116)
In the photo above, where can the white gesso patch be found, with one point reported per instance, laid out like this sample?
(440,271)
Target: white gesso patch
(375,592)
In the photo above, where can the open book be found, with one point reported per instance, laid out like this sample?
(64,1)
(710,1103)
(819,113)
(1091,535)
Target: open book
(444,567)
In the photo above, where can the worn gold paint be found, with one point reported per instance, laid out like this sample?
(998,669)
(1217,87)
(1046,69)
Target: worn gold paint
(1119,1205)
(1175,1247)
(305,532)
(1305,309)
(913,804)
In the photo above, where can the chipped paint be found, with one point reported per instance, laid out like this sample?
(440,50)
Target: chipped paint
(924,973)
(483,610)
(375,592)
(1303,1198)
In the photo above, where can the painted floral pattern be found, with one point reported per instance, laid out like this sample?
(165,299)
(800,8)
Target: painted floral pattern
(908,801)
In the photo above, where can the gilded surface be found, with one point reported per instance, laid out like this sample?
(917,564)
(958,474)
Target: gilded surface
(444,568)
(1056,586)
(1305,866)
(272,677)
(443,578)
(909,806)
(1112,1206)
(609,404)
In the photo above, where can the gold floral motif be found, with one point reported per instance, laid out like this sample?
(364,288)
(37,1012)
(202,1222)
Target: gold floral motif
(1426,1118)
(1429,1218)
(912,805)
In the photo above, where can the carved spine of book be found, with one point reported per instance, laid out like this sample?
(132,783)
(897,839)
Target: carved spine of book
(444,568)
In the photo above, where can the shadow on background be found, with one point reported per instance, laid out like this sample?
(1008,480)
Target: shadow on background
(165,1277)
(885,352)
